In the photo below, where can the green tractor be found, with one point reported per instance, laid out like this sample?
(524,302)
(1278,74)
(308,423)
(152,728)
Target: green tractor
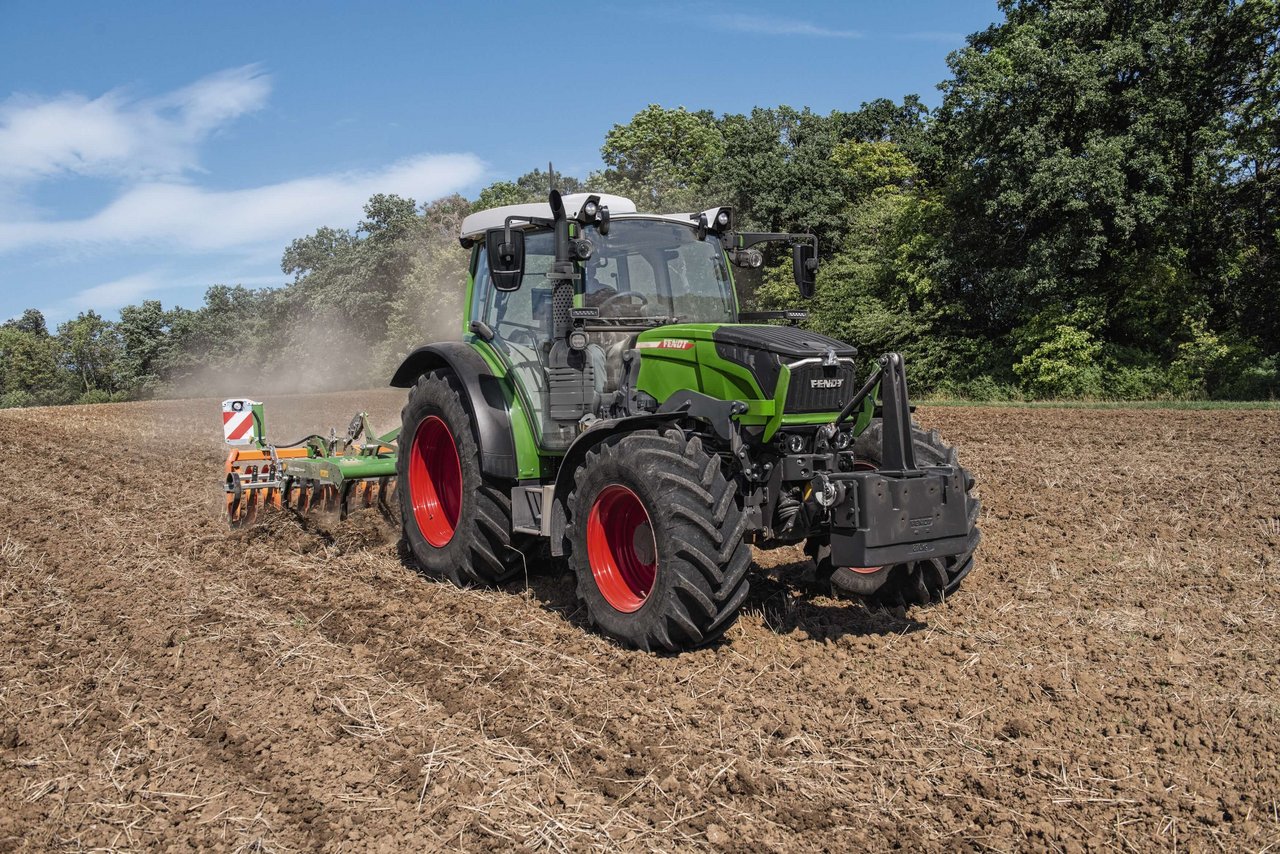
(611,405)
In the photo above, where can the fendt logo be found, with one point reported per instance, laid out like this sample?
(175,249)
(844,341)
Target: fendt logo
(827,382)
(666,344)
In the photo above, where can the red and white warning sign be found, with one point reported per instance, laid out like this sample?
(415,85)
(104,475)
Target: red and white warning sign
(238,426)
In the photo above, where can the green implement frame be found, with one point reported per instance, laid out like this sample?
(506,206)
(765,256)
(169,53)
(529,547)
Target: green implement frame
(314,473)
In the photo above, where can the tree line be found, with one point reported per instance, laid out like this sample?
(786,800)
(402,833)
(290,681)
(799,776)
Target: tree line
(1092,211)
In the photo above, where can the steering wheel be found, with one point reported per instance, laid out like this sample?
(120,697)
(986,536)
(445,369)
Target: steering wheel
(624,295)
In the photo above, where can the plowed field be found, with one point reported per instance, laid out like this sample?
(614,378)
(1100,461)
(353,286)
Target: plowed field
(1108,676)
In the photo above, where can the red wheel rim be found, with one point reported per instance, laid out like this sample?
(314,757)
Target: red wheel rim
(435,481)
(621,548)
(863,465)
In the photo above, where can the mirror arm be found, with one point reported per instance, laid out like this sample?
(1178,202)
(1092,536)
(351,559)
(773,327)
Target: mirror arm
(745,239)
(531,220)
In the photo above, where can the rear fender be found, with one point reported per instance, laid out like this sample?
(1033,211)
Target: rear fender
(486,399)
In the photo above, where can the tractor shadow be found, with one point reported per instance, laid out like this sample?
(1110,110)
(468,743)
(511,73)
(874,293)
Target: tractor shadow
(787,599)
(790,600)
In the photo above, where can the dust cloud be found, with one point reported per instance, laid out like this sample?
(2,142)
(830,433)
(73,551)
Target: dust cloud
(323,354)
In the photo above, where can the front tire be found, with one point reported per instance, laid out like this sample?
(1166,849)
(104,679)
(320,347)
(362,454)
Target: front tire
(657,541)
(457,524)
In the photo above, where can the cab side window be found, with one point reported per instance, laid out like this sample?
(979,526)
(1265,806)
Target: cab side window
(523,315)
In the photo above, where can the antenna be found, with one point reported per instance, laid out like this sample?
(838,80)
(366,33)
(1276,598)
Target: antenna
(551,176)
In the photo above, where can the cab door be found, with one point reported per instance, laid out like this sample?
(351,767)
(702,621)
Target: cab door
(522,330)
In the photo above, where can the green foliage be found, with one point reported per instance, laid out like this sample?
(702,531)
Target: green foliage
(528,188)
(96,395)
(980,389)
(1132,382)
(145,342)
(90,347)
(1258,380)
(228,333)
(428,303)
(16,398)
(777,171)
(1063,364)
(317,251)
(1086,149)
(28,359)
(500,193)
(31,322)
(874,167)
(1212,365)
(1059,354)
(662,158)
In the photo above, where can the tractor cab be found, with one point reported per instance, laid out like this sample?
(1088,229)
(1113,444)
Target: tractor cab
(562,292)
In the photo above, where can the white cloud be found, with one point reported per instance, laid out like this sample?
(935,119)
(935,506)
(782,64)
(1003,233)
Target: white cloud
(765,25)
(149,148)
(183,217)
(114,135)
(121,291)
(109,295)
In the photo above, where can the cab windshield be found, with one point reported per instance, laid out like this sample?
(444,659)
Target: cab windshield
(649,268)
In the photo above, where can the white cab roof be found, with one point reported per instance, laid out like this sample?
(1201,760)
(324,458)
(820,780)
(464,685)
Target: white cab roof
(478,223)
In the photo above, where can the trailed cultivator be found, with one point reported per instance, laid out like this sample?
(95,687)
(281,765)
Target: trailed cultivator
(315,473)
(610,406)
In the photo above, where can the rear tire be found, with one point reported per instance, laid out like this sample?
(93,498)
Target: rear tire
(657,541)
(457,524)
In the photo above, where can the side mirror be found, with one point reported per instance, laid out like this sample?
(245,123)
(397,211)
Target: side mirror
(505,251)
(804,260)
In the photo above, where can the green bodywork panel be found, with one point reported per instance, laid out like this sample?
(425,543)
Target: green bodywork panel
(339,469)
(529,460)
(471,290)
(667,364)
(683,356)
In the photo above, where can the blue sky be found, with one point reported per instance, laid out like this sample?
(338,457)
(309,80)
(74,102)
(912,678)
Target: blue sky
(149,149)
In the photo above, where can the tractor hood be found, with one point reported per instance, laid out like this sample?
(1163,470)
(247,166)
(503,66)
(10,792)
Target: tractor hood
(746,361)
(788,342)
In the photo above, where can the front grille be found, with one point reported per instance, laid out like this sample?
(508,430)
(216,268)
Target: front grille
(802,396)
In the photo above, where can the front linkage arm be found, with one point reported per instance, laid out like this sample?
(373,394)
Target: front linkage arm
(898,455)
